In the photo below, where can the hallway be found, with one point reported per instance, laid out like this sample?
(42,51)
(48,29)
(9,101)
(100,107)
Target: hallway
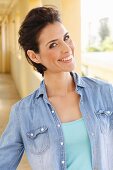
(8,96)
(12,57)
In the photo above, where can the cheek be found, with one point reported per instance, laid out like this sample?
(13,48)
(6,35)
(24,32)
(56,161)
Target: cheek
(53,54)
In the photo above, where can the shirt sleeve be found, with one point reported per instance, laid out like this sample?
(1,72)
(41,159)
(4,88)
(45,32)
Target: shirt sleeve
(111,92)
(11,145)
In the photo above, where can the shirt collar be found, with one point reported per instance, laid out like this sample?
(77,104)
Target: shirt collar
(77,79)
(42,90)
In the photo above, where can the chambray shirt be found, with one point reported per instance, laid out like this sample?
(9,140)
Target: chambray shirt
(35,127)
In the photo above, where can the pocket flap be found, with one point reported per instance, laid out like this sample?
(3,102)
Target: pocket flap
(33,133)
(106,112)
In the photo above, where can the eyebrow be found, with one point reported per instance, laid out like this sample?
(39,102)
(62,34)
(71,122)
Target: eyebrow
(56,39)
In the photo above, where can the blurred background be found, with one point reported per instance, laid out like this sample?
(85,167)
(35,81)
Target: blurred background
(90,24)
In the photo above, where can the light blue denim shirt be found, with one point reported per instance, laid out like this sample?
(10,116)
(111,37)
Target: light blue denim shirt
(35,127)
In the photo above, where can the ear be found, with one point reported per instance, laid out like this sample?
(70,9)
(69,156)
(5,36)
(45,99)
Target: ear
(33,56)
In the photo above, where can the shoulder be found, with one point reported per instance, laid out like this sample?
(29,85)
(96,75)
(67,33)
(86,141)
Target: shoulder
(26,102)
(99,87)
(99,90)
(91,83)
(95,82)
(88,81)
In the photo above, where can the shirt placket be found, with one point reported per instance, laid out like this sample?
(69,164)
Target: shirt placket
(89,126)
(60,135)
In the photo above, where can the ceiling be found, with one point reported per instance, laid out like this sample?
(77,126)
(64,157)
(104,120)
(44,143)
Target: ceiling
(4,7)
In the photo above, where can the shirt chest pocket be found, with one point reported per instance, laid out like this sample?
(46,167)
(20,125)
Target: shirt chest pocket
(105,118)
(38,140)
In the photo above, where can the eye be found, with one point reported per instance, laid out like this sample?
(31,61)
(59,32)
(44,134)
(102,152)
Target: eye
(66,37)
(53,45)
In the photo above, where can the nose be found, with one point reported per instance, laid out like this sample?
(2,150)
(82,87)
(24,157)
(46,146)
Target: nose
(65,47)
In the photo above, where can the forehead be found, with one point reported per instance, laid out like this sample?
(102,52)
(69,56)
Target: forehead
(52,31)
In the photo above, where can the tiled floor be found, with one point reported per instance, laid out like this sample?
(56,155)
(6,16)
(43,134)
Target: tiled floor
(8,96)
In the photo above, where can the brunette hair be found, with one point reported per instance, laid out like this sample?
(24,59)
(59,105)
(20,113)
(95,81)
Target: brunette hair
(30,29)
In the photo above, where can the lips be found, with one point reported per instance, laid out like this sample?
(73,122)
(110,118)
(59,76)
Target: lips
(66,58)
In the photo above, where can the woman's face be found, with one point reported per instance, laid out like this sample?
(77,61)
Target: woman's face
(56,49)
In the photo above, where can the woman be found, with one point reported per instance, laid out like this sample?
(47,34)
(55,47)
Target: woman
(67,123)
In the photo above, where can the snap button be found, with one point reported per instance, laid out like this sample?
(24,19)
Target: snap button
(63,162)
(32,134)
(92,134)
(108,112)
(61,143)
(42,129)
(58,125)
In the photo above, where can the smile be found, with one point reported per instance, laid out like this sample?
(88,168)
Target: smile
(66,59)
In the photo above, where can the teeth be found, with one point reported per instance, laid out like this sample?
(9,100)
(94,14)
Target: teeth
(66,59)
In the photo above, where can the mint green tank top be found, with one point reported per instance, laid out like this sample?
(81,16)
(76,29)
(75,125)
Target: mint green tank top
(77,144)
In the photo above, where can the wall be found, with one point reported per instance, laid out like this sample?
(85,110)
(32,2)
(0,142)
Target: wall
(0,51)
(24,76)
(5,46)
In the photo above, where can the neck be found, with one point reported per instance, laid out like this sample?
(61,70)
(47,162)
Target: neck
(59,84)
